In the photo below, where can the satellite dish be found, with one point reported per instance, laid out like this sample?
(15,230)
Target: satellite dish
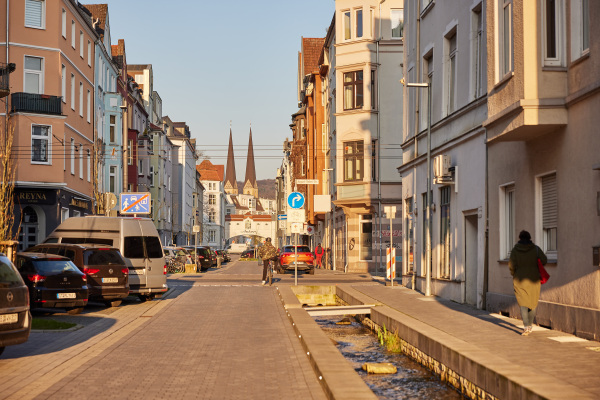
(110,200)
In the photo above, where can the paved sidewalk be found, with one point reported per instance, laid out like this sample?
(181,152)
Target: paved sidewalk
(546,364)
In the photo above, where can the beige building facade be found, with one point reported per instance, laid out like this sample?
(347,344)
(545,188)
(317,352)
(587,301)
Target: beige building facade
(544,164)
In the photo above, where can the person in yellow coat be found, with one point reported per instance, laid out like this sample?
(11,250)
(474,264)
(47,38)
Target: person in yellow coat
(526,277)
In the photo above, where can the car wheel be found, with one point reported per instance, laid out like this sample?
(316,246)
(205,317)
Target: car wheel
(74,310)
(2,350)
(114,303)
(143,298)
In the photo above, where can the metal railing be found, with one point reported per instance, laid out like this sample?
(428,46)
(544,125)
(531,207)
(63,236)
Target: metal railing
(36,103)
(5,70)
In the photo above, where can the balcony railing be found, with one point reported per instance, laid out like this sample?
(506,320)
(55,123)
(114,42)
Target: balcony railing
(36,103)
(5,70)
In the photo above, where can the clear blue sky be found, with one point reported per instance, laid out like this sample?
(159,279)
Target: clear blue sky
(224,60)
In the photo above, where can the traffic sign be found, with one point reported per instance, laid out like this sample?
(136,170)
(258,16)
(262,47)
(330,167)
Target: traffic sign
(295,200)
(135,203)
(296,215)
(307,181)
(281,217)
(297,227)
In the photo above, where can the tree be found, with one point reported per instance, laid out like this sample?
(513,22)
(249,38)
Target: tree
(7,182)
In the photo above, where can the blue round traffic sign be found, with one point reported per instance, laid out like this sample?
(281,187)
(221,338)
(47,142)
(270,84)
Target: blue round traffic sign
(295,200)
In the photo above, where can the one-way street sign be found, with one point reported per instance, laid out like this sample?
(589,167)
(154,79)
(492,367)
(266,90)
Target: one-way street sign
(135,203)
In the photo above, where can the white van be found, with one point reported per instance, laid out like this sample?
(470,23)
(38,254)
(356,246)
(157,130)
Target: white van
(136,238)
(237,248)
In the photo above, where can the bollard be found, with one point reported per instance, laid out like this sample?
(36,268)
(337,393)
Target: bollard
(219,262)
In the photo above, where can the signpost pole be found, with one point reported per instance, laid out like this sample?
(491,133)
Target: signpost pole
(392,253)
(296,259)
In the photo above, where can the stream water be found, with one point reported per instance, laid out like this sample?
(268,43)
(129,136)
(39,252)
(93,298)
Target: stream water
(412,381)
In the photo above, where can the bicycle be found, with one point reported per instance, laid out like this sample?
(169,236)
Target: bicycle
(270,272)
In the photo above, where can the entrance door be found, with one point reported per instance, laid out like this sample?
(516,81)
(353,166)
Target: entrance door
(29,229)
(471,259)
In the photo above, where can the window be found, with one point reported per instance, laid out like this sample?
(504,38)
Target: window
(72,34)
(507,220)
(72,156)
(80,161)
(40,143)
(353,161)
(63,83)
(374,160)
(372,19)
(81,44)
(34,14)
(212,199)
(580,28)
(112,128)
(427,78)
(302,170)
(347,26)
(130,155)
(505,37)
(64,23)
(477,55)
(450,71)
(89,166)
(212,236)
(72,92)
(366,237)
(64,214)
(397,17)
(152,176)
(373,93)
(112,179)
(33,75)
(353,90)
(445,232)
(553,23)
(359,22)
(81,99)
(89,56)
(212,216)
(549,214)
(89,105)
(410,233)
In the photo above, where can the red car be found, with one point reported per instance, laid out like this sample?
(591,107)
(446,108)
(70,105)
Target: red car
(306,260)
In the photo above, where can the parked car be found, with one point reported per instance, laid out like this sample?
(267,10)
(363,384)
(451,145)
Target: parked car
(53,281)
(106,270)
(15,317)
(221,253)
(179,253)
(225,255)
(306,260)
(136,238)
(249,253)
(204,256)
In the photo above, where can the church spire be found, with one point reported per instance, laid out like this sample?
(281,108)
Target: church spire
(230,183)
(250,185)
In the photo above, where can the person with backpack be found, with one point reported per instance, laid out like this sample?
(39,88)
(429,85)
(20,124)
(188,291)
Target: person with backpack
(267,252)
(319,256)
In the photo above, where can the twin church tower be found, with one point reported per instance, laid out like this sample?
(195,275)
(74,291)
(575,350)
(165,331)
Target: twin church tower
(250,185)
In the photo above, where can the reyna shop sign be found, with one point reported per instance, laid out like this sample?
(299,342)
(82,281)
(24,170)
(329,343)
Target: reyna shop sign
(35,196)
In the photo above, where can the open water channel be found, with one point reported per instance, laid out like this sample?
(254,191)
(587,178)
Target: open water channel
(359,345)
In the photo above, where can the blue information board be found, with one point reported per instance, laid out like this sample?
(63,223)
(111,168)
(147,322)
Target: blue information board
(135,203)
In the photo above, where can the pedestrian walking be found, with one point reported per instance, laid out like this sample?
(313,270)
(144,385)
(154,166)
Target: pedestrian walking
(526,277)
(267,252)
(319,255)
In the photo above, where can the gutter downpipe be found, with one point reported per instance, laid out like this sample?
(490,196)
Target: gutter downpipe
(379,150)
(7,44)
(417,119)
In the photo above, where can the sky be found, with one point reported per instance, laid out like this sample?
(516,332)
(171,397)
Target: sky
(218,63)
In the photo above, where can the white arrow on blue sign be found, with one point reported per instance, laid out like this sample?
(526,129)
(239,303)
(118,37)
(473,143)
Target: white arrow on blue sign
(282,217)
(295,200)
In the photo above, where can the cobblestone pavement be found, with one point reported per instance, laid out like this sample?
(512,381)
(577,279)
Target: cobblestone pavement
(208,339)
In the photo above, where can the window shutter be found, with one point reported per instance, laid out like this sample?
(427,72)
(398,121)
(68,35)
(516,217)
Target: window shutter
(549,202)
(33,13)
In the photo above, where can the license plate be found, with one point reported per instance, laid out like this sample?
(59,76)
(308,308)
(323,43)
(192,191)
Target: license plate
(110,280)
(65,296)
(137,271)
(9,318)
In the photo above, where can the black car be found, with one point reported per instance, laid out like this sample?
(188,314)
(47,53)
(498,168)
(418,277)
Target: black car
(15,318)
(249,253)
(225,255)
(53,281)
(204,256)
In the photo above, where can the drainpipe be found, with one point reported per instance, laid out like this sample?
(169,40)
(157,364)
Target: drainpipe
(7,44)
(379,149)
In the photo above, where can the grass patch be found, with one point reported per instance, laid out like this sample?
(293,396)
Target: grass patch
(50,324)
(390,340)
(248,259)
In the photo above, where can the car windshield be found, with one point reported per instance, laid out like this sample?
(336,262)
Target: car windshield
(181,252)
(54,266)
(103,257)
(301,249)
(8,274)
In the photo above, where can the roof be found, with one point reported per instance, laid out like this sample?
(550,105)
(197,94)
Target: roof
(311,50)
(99,12)
(210,172)
(250,168)
(230,173)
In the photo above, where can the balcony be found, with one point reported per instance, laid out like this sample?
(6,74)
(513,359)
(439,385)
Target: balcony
(5,70)
(36,103)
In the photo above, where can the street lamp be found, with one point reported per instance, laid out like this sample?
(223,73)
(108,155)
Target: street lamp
(429,178)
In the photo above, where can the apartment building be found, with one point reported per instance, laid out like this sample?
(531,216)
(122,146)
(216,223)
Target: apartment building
(211,178)
(445,49)
(50,110)
(544,169)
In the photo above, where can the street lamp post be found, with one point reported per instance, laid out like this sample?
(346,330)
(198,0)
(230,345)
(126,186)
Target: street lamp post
(429,182)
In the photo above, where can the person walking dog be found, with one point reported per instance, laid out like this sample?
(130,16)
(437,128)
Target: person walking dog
(267,252)
(526,277)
